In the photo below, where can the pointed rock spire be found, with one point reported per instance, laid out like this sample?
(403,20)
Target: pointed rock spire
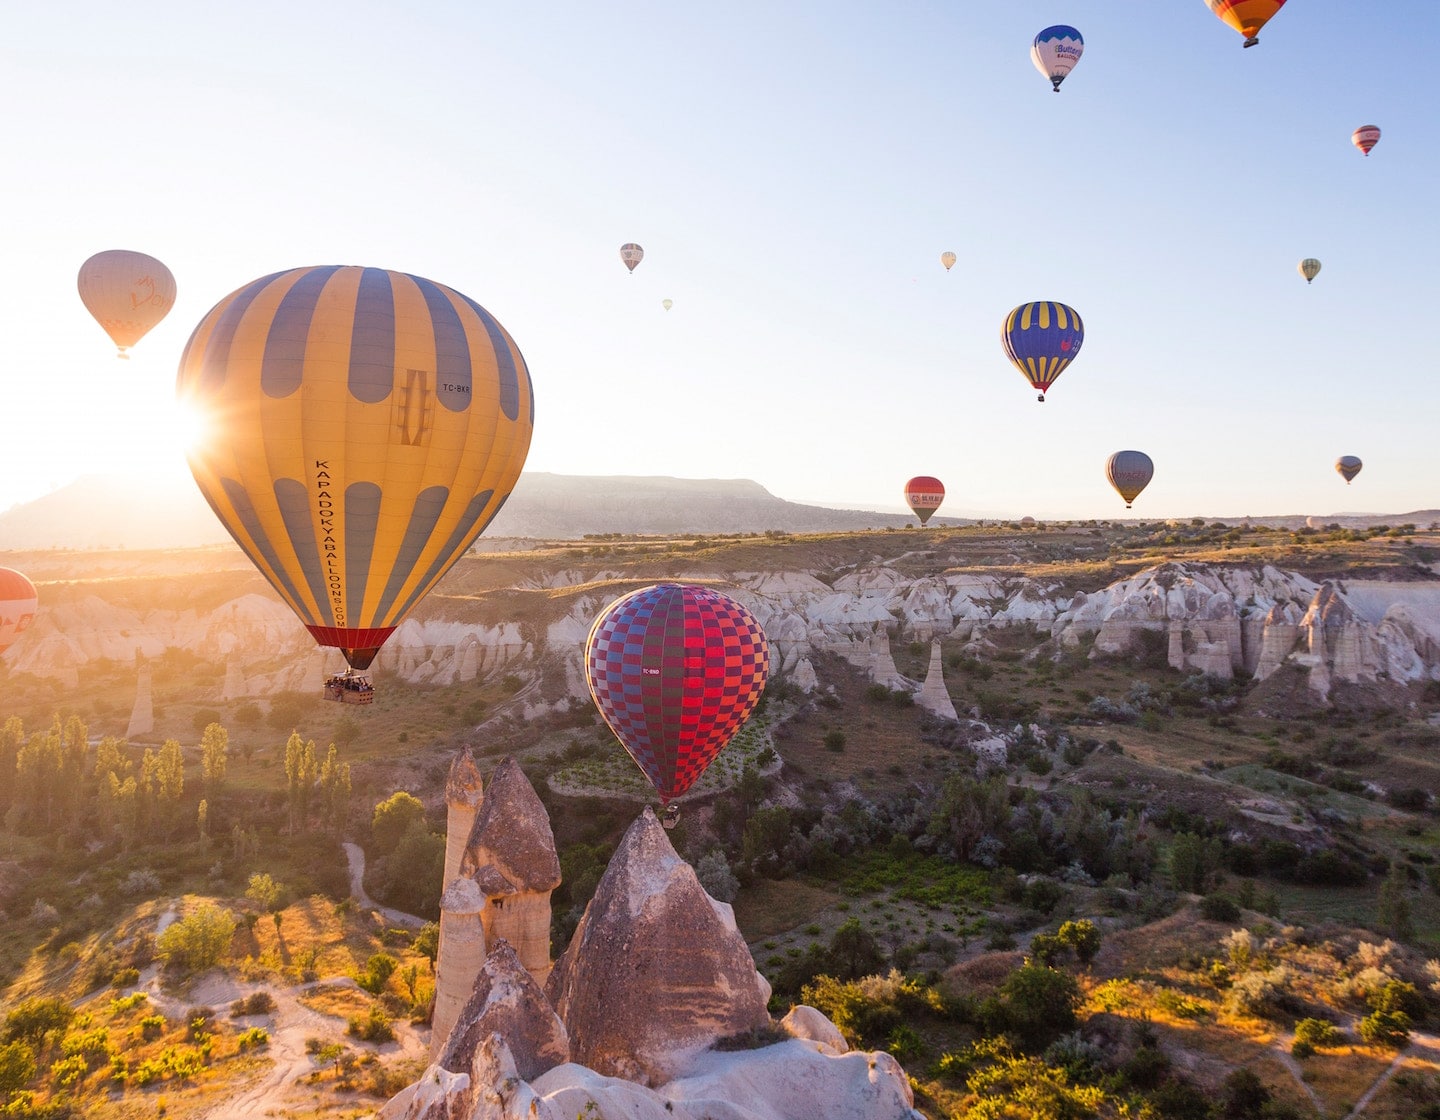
(656,970)
(506,1001)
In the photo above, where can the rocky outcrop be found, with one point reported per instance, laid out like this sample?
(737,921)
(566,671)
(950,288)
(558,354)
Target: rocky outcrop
(459,957)
(505,1001)
(142,712)
(656,970)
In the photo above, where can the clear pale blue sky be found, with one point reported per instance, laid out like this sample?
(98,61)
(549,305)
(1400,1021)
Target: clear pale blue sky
(793,171)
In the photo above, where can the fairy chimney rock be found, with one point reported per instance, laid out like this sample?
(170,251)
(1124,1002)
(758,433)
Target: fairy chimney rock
(463,791)
(510,855)
(657,970)
(506,1001)
(142,715)
(934,697)
(459,957)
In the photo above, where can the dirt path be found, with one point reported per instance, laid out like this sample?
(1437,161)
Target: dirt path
(355,857)
(1420,1045)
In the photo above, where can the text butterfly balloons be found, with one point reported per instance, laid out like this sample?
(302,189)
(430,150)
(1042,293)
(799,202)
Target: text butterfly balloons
(676,670)
(1055,51)
(363,427)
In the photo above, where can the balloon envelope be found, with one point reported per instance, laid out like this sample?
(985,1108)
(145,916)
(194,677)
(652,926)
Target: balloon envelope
(1309,268)
(127,293)
(667,304)
(923,494)
(676,671)
(1365,137)
(1246,16)
(1129,472)
(363,427)
(1348,466)
(17,606)
(1055,52)
(947,258)
(631,254)
(1042,339)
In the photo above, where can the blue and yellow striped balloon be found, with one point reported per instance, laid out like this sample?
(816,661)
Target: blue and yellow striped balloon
(1042,339)
(362,429)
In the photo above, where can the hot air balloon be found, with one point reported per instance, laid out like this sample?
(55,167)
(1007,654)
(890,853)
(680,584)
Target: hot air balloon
(1246,16)
(947,258)
(1055,52)
(1129,472)
(1309,268)
(364,426)
(127,293)
(1365,137)
(17,606)
(923,494)
(1042,339)
(631,254)
(667,304)
(675,671)
(1348,466)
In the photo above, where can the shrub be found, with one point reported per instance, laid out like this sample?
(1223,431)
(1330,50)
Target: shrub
(1385,1028)
(151,1027)
(252,1039)
(1218,908)
(256,1003)
(198,941)
(125,977)
(378,970)
(36,1017)
(834,741)
(17,1066)
(1316,1033)
(374,1026)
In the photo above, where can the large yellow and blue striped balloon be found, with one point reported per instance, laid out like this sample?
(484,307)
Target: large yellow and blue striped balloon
(1042,339)
(362,429)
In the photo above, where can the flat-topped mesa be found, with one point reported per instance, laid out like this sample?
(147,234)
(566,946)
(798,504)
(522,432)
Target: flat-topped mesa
(510,854)
(463,794)
(657,970)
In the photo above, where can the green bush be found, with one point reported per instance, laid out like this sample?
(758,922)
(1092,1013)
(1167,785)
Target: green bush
(252,1039)
(1315,1034)
(198,941)
(1385,1028)
(374,1026)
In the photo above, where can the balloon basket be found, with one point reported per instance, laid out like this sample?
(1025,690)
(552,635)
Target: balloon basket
(349,688)
(670,817)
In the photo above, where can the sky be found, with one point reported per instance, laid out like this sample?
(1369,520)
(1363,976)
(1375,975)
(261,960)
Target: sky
(793,171)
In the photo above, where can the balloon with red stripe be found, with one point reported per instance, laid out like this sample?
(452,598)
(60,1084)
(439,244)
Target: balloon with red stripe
(676,670)
(17,606)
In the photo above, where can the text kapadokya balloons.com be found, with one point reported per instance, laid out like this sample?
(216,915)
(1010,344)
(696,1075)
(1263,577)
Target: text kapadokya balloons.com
(923,494)
(362,427)
(1365,137)
(17,606)
(1246,16)
(127,293)
(1055,52)
(1041,339)
(676,671)
(1129,472)
(1348,466)
(1309,268)
(631,254)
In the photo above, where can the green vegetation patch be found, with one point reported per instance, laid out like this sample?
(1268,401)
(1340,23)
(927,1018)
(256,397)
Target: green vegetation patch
(929,880)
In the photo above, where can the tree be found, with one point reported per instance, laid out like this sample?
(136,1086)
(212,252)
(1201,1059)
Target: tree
(300,771)
(427,942)
(169,779)
(1083,937)
(1393,908)
(1039,1003)
(335,791)
(854,951)
(214,753)
(265,892)
(17,1067)
(392,819)
(1193,862)
(967,810)
(202,823)
(413,871)
(36,1017)
(199,940)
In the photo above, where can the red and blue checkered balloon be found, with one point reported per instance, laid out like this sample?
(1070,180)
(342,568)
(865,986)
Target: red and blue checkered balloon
(676,671)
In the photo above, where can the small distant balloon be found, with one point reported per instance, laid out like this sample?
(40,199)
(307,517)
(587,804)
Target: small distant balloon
(1365,137)
(923,494)
(1129,472)
(1055,52)
(1348,466)
(17,606)
(947,258)
(127,293)
(675,670)
(1246,16)
(667,304)
(1309,268)
(1041,339)
(631,254)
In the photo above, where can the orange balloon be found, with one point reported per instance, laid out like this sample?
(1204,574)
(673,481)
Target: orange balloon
(1246,16)
(127,293)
